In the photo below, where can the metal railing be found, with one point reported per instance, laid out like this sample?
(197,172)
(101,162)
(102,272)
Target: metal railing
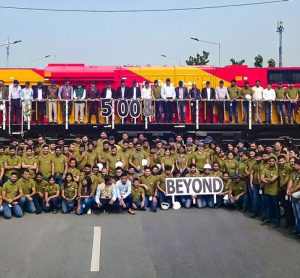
(135,111)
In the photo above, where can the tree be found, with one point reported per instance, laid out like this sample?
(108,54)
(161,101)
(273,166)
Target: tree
(199,60)
(236,62)
(271,63)
(258,61)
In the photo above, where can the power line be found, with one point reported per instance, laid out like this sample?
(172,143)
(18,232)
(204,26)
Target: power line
(144,10)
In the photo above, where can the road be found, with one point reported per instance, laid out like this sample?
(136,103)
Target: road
(185,243)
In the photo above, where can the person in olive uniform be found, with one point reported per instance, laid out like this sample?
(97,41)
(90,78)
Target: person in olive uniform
(52,197)
(234,93)
(138,195)
(11,194)
(293,97)
(269,180)
(39,197)
(12,163)
(237,193)
(246,91)
(292,190)
(222,198)
(280,103)
(149,182)
(85,197)
(161,186)
(69,194)
(28,188)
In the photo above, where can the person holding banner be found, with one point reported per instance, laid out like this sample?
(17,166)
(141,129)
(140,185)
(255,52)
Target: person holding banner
(187,201)
(161,186)
(222,198)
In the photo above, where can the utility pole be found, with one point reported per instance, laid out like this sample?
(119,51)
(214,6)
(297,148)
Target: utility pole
(280,31)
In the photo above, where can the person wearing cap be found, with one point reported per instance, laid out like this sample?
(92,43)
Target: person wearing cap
(257,97)
(221,96)
(280,103)
(246,90)
(14,96)
(40,95)
(269,95)
(292,96)
(168,94)
(208,94)
(52,95)
(135,91)
(27,97)
(234,94)
(93,95)
(79,97)
(181,95)
(237,193)
(194,95)
(292,191)
(123,92)
(156,95)
(65,94)
(269,180)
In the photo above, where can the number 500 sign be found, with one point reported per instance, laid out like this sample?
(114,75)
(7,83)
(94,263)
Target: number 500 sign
(124,107)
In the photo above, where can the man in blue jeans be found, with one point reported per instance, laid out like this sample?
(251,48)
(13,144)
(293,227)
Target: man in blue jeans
(11,194)
(237,193)
(149,183)
(122,194)
(269,95)
(292,190)
(28,187)
(269,181)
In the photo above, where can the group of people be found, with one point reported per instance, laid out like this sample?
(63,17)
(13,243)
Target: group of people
(99,174)
(166,100)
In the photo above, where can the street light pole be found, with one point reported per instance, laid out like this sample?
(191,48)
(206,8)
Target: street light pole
(171,58)
(209,42)
(8,44)
(280,31)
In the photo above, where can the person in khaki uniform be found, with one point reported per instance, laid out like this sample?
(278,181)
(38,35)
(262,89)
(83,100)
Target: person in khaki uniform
(60,166)
(149,183)
(138,195)
(280,103)
(136,157)
(69,193)
(237,192)
(29,162)
(269,180)
(234,94)
(45,163)
(156,94)
(38,198)
(52,102)
(11,194)
(161,186)
(12,163)
(112,159)
(293,97)
(52,196)
(73,170)
(28,187)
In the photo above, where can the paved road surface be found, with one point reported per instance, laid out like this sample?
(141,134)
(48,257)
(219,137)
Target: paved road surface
(184,243)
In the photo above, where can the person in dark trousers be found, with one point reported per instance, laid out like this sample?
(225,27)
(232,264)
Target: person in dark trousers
(209,95)
(39,96)
(93,96)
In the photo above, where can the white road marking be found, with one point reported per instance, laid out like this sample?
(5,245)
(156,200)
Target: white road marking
(95,262)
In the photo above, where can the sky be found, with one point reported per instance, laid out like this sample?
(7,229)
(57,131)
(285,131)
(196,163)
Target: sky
(141,38)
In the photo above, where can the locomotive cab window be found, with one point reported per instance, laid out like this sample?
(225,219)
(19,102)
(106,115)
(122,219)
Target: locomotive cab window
(285,76)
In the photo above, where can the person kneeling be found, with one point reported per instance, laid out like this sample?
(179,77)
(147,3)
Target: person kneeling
(138,195)
(103,197)
(69,194)
(122,194)
(237,193)
(52,199)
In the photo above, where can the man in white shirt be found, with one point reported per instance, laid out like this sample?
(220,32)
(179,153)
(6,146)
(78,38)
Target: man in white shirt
(269,95)
(27,97)
(14,96)
(122,194)
(221,96)
(257,97)
(168,94)
(146,91)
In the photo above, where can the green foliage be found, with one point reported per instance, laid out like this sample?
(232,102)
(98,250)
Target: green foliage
(258,61)
(271,63)
(236,62)
(199,60)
